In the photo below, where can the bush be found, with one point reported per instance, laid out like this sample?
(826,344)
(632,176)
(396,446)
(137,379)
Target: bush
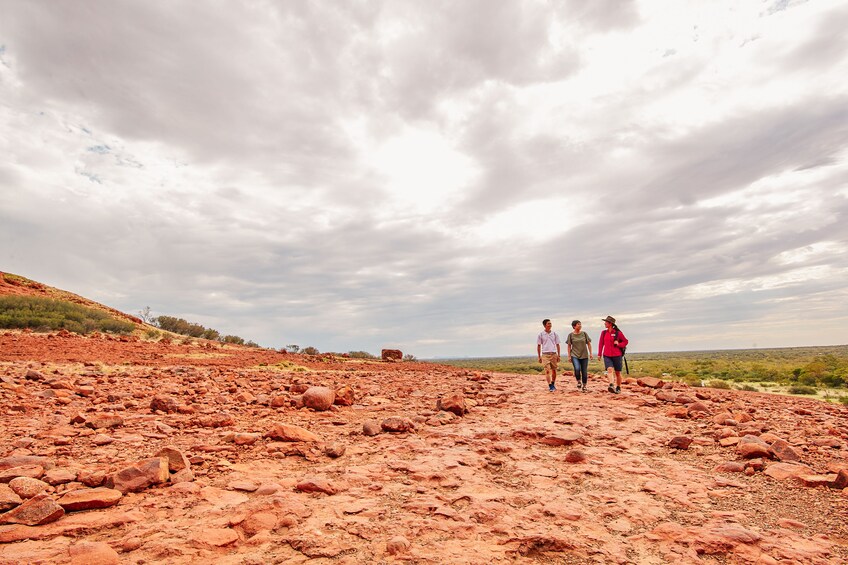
(748,388)
(360,355)
(152,334)
(309,350)
(801,389)
(718,383)
(843,399)
(46,314)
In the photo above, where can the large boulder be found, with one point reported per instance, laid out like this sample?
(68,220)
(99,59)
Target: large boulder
(453,403)
(391,355)
(38,510)
(140,475)
(345,396)
(319,398)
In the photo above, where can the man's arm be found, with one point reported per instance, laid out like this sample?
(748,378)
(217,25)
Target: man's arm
(539,352)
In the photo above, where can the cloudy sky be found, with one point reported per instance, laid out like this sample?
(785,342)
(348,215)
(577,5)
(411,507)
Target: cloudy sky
(435,176)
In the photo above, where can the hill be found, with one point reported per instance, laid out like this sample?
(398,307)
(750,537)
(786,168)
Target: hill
(117,450)
(16,285)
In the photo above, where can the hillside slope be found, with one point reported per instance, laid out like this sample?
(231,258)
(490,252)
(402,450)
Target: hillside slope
(11,284)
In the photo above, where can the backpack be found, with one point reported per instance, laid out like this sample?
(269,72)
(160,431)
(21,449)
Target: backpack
(623,348)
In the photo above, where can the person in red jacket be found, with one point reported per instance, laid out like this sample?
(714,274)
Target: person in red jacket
(609,348)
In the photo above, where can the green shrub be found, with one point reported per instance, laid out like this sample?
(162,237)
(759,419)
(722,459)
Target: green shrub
(718,383)
(152,334)
(46,314)
(801,389)
(748,388)
(360,355)
(843,399)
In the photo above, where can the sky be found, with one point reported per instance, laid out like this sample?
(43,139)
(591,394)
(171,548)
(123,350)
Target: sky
(437,176)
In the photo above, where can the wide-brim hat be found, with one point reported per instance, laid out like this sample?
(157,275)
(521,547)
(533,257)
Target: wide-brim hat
(609,319)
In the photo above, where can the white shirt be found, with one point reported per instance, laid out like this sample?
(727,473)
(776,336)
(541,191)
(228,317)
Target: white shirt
(548,341)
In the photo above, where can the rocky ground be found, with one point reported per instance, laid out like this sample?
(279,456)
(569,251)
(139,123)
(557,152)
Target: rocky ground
(138,452)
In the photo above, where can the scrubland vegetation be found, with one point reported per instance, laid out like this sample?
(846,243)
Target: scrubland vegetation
(46,314)
(819,371)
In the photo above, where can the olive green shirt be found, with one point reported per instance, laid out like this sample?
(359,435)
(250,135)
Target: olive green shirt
(578,343)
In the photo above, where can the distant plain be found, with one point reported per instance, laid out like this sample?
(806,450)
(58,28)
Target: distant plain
(819,371)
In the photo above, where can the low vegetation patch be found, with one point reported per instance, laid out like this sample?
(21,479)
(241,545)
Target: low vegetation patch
(46,314)
(801,389)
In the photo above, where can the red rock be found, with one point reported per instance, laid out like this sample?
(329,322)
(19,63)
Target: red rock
(140,475)
(562,438)
(319,398)
(841,480)
(750,447)
(575,456)
(218,420)
(755,464)
(730,467)
(8,498)
(397,545)
(27,487)
(650,382)
(317,485)
(279,400)
(91,478)
(245,397)
(698,407)
(59,476)
(32,471)
(680,442)
(813,481)
(783,471)
(177,460)
(216,537)
(287,432)
(397,425)
(344,396)
(454,403)
(257,522)
(164,404)
(728,441)
(666,396)
(38,510)
(782,451)
(371,428)
(678,412)
(89,499)
(93,553)
(334,450)
(100,421)
(391,355)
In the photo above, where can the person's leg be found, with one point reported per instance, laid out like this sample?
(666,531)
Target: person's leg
(575,362)
(617,366)
(584,367)
(610,368)
(554,369)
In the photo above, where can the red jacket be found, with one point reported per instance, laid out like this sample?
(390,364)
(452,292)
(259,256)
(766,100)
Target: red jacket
(605,345)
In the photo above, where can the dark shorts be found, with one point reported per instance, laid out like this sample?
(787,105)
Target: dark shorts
(614,362)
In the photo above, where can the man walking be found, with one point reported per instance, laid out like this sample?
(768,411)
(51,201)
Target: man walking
(548,350)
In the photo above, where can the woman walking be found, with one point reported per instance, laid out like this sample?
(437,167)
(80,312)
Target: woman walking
(610,346)
(579,351)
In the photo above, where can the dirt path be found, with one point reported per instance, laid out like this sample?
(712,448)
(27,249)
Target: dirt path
(563,477)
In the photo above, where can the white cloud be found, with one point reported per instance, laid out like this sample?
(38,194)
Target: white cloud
(438,176)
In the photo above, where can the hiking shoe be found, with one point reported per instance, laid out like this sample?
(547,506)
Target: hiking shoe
(618,390)
(611,388)
(551,387)
(583,388)
(579,386)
